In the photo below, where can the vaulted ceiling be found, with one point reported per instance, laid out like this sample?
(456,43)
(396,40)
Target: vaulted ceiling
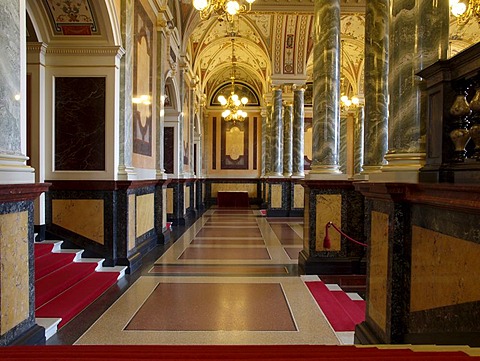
(273,43)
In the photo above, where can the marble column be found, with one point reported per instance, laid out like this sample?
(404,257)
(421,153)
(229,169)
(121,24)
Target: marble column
(191,135)
(326,84)
(427,41)
(267,152)
(358,137)
(263,114)
(277,135)
(181,125)
(287,138)
(376,84)
(160,101)
(298,132)
(125,142)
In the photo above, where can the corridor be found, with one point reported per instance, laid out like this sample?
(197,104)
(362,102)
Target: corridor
(231,278)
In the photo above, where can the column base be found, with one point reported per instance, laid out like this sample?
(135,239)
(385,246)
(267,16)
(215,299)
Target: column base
(364,335)
(34,336)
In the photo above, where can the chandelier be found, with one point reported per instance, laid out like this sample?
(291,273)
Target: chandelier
(225,9)
(233,104)
(345,101)
(464,9)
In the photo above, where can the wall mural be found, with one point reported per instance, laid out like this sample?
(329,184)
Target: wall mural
(79,123)
(142,82)
(234,147)
(72,17)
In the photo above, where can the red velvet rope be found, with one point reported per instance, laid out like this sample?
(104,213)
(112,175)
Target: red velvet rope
(326,240)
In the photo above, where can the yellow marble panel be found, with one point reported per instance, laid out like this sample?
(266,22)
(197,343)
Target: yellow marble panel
(145,213)
(14,286)
(131,221)
(164,207)
(377,305)
(306,230)
(276,195)
(298,196)
(251,188)
(328,209)
(445,270)
(82,216)
(187,197)
(308,136)
(169,200)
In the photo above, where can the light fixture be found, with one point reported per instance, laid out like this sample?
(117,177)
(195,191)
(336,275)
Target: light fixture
(224,9)
(463,10)
(345,101)
(233,104)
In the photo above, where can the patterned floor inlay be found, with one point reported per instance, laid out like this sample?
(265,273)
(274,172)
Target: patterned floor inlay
(285,234)
(214,307)
(229,241)
(225,253)
(293,252)
(230,232)
(241,270)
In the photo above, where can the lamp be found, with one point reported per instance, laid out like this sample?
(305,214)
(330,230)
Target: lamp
(463,10)
(233,104)
(345,101)
(225,9)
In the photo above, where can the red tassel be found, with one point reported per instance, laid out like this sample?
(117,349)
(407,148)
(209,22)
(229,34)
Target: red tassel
(326,240)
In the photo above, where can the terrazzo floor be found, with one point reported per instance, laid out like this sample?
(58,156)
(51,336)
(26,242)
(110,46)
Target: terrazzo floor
(230,278)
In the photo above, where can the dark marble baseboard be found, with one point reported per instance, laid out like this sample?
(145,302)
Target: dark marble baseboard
(34,336)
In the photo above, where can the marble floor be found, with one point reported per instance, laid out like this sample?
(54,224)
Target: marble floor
(229,278)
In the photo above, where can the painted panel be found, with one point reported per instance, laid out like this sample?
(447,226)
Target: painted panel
(142,82)
(72,17)
(131,221)
(14,272)
(445,270)
(79,123)
(234,144)
(81,216)
(298,196)
(328,209)
(145,213)
(276,190)
(377,305)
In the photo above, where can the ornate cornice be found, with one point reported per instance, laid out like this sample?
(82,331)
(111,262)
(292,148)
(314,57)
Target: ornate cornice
(100,50)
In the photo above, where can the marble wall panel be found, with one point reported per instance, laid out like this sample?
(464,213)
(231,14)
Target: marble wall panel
(169,207)
(169,149)
(187,197)
(378,269)
(298,196)
(234,145)
(306,229)
(82,216)
(79,123)
(276,194)
(145,213)
(328,209)
(251,188)
(445,270)
(14,270)
(131,221)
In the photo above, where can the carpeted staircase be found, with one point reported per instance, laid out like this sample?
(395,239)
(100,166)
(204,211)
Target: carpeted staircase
(66,283)
(270,352)
(342,310)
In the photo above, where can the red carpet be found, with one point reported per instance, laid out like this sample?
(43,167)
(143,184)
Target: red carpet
(64,288)
(341,312)
(271,352)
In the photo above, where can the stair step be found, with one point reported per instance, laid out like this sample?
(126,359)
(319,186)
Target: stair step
(72,301)
(60,280)
(50,262)
(50,325)
(341,311)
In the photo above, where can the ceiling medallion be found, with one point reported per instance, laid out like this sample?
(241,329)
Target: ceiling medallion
(233,105)
(224,9)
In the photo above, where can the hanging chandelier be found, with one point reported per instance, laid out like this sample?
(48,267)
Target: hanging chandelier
(225,9)
(463,10)
(233,104)
(345,101)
